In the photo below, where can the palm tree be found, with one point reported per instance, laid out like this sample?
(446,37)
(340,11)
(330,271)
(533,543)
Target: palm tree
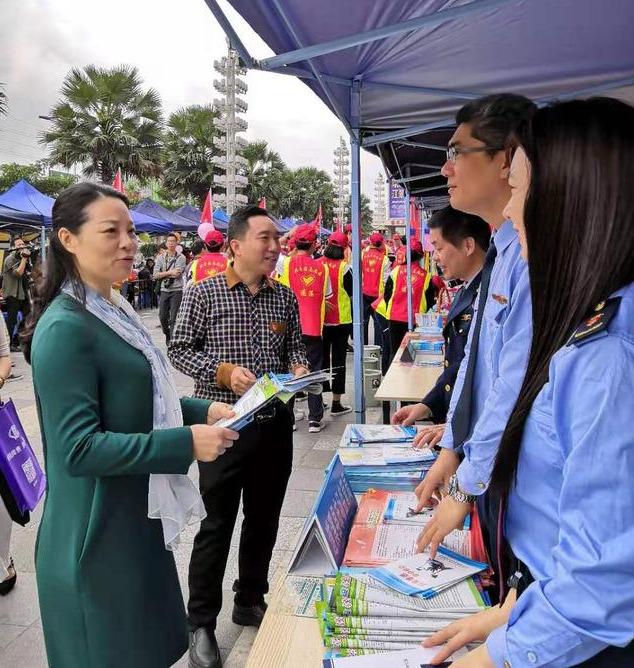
(263,168)
(299,192)
(105,120)
(188,152)
(3,100)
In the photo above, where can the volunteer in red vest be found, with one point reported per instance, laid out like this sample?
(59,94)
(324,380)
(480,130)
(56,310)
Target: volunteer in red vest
(338,319)
(308,279)
(375,270)
(211,262)
(393,306)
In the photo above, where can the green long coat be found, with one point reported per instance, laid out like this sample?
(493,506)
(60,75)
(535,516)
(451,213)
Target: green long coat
(108,589)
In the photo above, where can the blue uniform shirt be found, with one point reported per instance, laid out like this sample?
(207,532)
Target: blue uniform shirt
(570,518)
(501,361)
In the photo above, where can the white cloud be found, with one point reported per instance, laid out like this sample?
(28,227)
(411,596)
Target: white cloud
(173,44)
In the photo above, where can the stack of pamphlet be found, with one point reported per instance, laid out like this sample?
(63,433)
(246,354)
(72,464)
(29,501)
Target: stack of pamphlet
(387,526)
(362,615)
(419,657)
(382,456)
(266,388)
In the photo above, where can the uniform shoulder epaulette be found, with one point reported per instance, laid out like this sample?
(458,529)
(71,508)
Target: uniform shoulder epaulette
(596,323)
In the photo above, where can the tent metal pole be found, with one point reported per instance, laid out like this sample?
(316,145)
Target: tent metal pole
(234,40)
(422,90)
(322,84)
(428,20)
(301,73)
(421,144)
(408,243)
(591,90)
(409,132)
(426,190)
(355,219)
(422,165)
(409,179)
(43,245)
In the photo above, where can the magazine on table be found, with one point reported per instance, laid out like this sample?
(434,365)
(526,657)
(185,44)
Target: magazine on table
(422,575)
(380,433)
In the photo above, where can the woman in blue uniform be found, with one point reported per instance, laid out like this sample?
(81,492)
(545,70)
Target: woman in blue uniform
(564,470)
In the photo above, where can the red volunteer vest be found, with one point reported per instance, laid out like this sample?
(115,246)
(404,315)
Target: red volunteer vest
(208,265)
(372,271)
(398,310)
(339,312)
(307,279)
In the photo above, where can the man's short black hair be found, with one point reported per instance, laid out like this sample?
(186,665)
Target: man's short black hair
(162,246)
(239,221)
(456,225)
(403,238)
(198,246)
(495,118)
(172,234)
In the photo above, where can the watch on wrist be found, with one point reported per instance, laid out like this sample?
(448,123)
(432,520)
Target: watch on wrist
(456,493)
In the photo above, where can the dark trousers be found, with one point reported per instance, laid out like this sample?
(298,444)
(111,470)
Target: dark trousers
(335,339)
(258,466)
(381,337)
(168,310)
(314,355)
(397,332)
(13,307)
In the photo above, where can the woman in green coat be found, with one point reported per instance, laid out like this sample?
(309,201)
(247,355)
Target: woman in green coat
(115,451)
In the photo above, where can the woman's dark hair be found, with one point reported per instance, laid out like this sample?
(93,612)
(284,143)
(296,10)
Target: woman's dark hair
(579,219)
(334,252)
(455,226)
(198,246)
(69,211)
(416,256)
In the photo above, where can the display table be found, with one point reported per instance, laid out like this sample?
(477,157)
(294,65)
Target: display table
(284,640)
(406,382)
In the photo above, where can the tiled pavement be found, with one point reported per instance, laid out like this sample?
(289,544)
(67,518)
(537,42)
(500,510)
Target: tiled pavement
(21,640)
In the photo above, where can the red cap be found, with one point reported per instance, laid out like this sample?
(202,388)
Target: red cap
(291,243)
(348,228)
(338,239)
(214,238)
(376,238)
(305,232)
(417,246)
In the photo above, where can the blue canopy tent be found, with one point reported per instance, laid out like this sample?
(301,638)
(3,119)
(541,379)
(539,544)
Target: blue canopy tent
(155,210)
(190,212)
(395,73)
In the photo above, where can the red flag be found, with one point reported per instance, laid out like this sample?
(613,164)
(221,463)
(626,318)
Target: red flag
(117,184)
(262,203)
(318,220)
(207,216)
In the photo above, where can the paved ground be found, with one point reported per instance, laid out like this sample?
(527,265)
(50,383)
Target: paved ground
(21,641)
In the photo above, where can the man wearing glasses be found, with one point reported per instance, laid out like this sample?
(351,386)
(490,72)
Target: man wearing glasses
(492,370)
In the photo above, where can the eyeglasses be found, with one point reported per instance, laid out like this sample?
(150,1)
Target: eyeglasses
(454,151)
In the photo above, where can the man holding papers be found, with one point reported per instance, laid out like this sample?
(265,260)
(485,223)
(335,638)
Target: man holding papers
(232,329)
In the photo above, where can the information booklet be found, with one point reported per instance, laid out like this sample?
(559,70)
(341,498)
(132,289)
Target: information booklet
(381,433)
(424,576)
(322,543)
(411,658)
(265,389)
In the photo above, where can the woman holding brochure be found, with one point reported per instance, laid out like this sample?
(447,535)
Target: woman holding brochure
(563,473)
(111,420)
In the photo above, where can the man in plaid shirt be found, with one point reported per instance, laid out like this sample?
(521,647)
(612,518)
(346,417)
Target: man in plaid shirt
(231,329)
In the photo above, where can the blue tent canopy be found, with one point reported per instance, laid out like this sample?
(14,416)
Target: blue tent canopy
(190,212)
(144,223)
(155,210)
(23,198)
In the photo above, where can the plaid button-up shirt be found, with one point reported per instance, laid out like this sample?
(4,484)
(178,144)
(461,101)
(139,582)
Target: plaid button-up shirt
(221,324)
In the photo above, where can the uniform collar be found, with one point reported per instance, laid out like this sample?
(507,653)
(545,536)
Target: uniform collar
(233,279)
(504,236)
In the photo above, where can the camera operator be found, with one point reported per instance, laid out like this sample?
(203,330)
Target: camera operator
(15,285)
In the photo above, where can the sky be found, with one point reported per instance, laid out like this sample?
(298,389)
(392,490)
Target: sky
(173,43)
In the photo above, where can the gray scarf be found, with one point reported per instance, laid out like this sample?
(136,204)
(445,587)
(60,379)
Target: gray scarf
(172,498)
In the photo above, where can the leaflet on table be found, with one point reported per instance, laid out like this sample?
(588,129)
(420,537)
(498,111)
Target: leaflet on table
(384,454)
(302,592)
(380,433)
(419,574)
(463,597)
(335,642)
(380,544)
(401,508)
(354,607)
(411,658)
(334,621)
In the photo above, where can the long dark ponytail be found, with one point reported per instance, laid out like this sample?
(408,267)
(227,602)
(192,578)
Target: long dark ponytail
(579,219)
(69,211)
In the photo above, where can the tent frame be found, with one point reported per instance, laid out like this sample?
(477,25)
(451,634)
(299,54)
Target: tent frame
(288,63)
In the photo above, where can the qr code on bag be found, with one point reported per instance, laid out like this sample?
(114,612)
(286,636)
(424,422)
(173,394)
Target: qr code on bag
(29,470)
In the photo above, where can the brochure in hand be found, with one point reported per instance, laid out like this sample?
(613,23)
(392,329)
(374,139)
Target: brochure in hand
(265,389)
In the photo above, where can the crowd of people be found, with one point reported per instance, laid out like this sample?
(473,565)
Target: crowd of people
(531,412)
